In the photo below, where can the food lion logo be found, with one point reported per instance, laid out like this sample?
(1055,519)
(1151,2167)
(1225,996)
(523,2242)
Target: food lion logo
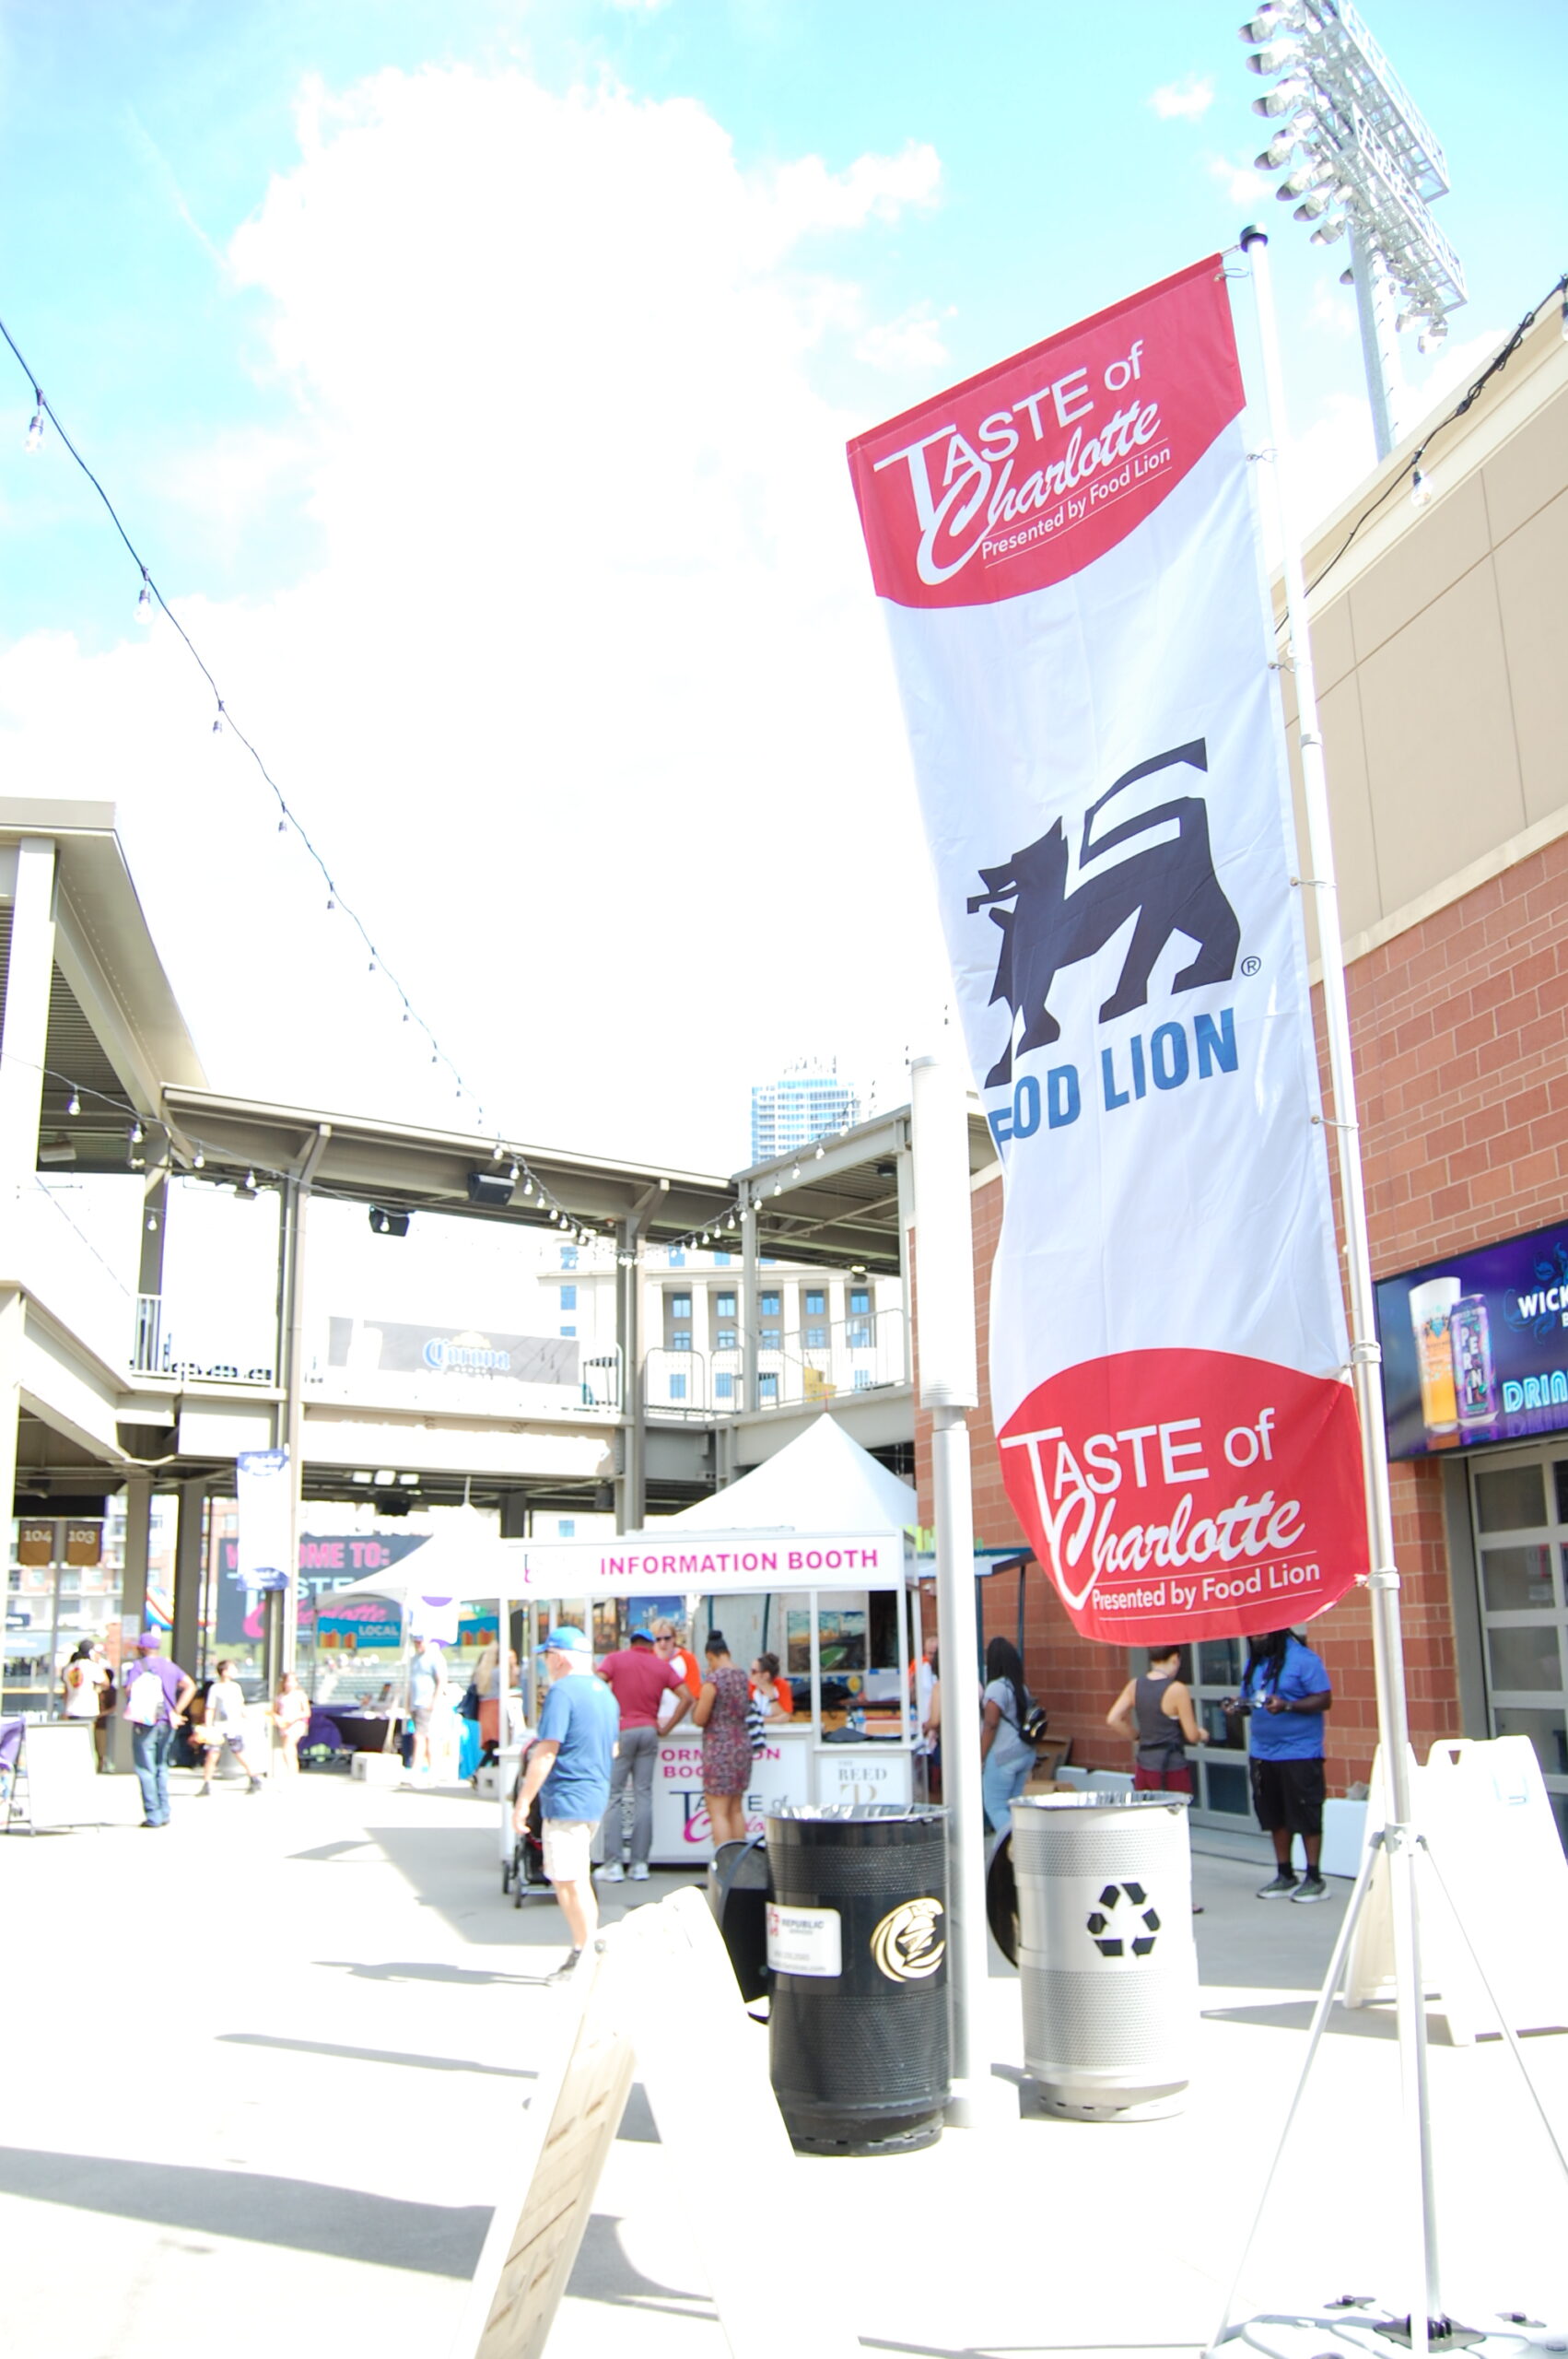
(1116,1936)
(906,1944)
(1156,864)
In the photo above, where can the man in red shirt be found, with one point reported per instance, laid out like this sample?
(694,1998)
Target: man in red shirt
(638,1677)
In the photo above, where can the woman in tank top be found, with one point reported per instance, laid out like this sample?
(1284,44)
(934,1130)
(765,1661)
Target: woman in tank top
(1156,1713)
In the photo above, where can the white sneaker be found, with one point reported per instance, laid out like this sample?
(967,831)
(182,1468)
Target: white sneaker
(612,1872)
(640,1872)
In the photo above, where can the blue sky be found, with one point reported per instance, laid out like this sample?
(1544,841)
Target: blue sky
(331,388)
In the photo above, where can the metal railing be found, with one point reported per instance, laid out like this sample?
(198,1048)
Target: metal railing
(153,1352)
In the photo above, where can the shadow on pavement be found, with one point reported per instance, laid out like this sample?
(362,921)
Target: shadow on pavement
(1355,2023)
(603,2273)
(344,2223)
(376,2055)
(422,1971)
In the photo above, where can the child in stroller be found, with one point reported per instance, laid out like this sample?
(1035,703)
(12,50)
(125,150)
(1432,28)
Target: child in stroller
(524,1873)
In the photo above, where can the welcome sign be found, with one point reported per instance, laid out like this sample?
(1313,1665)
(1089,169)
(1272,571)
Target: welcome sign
(1066,553)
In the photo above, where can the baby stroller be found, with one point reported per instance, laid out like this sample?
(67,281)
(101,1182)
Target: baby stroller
(524,1875)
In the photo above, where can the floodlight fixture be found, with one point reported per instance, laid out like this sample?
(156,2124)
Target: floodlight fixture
(1280,99)
(1375,167)
(1271,19)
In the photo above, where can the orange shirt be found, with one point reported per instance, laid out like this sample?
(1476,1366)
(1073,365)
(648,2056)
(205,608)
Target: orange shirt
(785,1694)
(686,1665)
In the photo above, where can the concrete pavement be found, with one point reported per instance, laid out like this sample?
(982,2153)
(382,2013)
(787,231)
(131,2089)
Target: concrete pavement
(262,2073)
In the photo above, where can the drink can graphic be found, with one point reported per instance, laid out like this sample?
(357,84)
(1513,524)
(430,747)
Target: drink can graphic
(1432,1307)
(1469,1343)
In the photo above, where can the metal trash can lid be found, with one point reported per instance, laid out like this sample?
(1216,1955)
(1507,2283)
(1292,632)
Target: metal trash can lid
(1155,1798)
(858,1812)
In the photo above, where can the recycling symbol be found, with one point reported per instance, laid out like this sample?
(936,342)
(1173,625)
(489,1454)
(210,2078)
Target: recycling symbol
(1131,1934)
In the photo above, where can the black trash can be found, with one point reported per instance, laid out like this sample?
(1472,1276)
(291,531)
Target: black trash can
(856,1946)
(738,1895)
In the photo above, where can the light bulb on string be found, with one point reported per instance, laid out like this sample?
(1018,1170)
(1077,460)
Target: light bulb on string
(1420,485)
(144,600)
(820,1150)
(796,1173)
(137,1135)
(778,1187)
(249,1179)
(152,1224)
(496,1155)
(283,826)
(73,1104)
(35,431)
(217,719)
(198,1161)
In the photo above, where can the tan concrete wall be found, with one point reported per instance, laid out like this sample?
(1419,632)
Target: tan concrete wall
(1438,638)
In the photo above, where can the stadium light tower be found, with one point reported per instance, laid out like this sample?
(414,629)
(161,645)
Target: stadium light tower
(1366,165)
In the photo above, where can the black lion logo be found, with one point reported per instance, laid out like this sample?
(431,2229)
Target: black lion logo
(1170,884)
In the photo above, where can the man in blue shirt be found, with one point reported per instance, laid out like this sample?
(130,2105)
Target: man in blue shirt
(568,1769)
(1286,1691)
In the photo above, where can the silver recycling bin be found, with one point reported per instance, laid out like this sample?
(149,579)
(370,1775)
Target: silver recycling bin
(1106,1953)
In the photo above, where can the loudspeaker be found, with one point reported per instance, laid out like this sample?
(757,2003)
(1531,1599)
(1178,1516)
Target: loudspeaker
(490,1188)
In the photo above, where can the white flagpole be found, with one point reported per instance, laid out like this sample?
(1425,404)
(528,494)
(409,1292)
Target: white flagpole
(1426,2307)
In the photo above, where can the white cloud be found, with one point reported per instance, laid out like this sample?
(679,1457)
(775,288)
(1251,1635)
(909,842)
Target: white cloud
(1184,101)
(583,693)
(1240,179)
(913,341)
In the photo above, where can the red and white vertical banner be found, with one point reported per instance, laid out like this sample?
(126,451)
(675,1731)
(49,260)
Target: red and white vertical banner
(1067,552)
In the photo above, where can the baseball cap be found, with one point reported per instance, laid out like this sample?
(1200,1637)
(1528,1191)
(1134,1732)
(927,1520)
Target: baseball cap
(149,1639)
(567,1639)
(642,1638)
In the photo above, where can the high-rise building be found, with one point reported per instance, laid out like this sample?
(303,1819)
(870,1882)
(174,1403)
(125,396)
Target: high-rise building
(806,1103)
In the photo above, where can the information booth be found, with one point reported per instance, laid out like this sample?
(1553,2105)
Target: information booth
(832,1605)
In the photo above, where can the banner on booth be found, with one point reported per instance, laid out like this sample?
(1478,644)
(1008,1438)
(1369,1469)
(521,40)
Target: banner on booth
(1067,555)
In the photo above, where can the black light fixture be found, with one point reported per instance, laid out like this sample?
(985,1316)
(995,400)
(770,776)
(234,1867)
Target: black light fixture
(387,1224)
(492,1189)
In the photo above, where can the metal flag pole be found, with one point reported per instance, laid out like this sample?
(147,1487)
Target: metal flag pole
(944,1277)
(1399,1839)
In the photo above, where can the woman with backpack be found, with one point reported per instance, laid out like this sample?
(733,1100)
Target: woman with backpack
(1008,1715)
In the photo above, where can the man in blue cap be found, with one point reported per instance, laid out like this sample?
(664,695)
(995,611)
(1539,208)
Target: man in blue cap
(569,1770)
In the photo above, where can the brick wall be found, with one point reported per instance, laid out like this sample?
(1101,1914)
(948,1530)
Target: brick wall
(1459,1027)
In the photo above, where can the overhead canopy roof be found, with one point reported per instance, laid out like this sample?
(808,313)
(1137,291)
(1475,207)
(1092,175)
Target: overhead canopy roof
(116,1034)
(841,1213)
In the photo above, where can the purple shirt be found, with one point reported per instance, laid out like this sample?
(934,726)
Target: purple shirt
(170,1678)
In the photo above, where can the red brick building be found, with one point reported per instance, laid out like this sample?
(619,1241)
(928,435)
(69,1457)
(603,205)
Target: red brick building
(1438,637)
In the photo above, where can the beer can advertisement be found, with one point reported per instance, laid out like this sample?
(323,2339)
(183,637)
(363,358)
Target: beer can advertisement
(1475,1349)
(1066,554)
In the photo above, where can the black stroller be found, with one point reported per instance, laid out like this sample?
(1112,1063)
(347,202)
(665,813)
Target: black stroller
(524,1875)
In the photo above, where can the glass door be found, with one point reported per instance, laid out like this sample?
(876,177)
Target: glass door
(1520,1508)
(1220,1771)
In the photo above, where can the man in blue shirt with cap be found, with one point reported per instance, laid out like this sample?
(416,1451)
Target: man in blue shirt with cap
(568,1769)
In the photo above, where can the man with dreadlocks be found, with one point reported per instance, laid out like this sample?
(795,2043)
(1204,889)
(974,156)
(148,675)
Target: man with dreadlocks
(1286,1691)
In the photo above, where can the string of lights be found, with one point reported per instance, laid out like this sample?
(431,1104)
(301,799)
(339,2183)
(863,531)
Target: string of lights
(172,1152)
(1412,472)
(149,595)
